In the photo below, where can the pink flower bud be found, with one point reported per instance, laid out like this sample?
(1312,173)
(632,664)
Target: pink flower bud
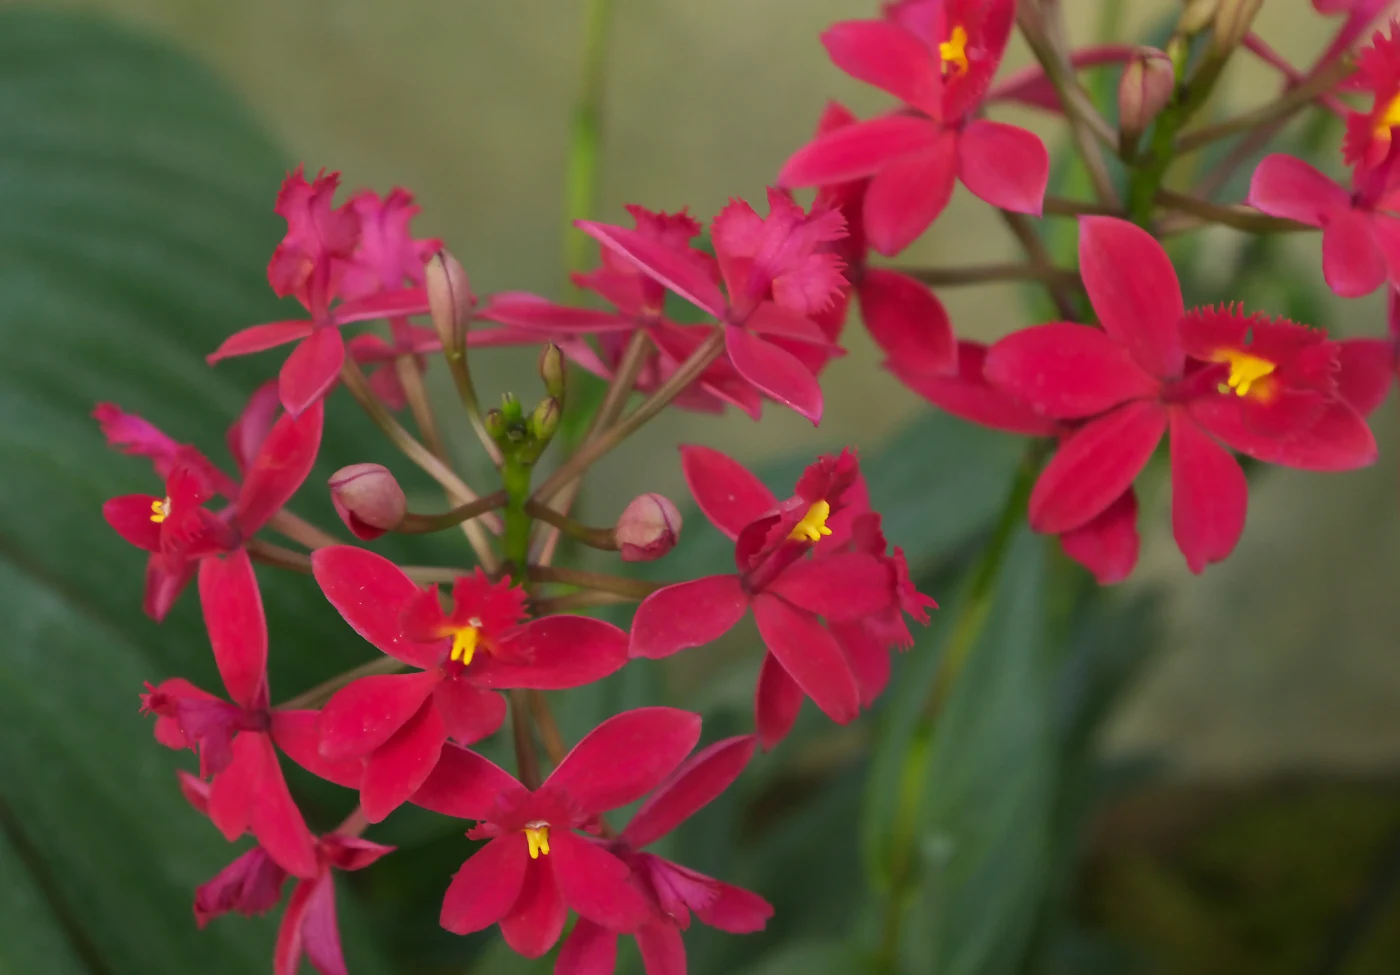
(648,528)
(450,298)
(368,499)
(1148,81)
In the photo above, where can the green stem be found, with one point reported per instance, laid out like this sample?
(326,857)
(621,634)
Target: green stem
(416,524)
(599,538)
(581,181)
(633,588)
(515,542)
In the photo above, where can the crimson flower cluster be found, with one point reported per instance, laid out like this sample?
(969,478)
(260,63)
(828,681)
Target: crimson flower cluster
(830,596)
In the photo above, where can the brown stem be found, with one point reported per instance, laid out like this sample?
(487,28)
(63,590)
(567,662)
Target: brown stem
(527,763)
(300,530)
(1239,217)
(990,273)
(1286,105)
(548,727)
(1058,206)
(416,393)
(1040,257)
(321,692)
(583,599)
(354,824)
(416,524)
(284,558)
(710,350)
(429,574)
(599,538)
(633,588)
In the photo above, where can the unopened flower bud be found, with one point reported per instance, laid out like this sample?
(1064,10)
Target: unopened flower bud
(496,424)
(1232,22)
(1146,87)
(648,529)
(450,298)
(552,370)
(545,420)
(1197,16)
(368,499)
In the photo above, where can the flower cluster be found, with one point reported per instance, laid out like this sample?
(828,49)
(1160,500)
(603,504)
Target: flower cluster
(830,596)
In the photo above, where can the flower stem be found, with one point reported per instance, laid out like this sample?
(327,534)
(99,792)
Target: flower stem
(1240,217)
(581,180)
(1060,294)
(416,524)
(599,538)
(991,273)
(527,763)
(583,599)
(632,588)
(300,530)
(283,558)
(1276,111)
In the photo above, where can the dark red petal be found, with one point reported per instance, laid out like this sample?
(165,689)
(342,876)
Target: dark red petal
(280,467)
(130,517)
(320,932)
(536,919)
(1352,261)
(1004,165)
(590,949)
(260,337)
(1209,495)
(1339,440)
(1094,466)
(370,592)
(1067,371)
(969,396)
(1108,545)
(868,656)
(297,734)
(246,435)
(688,614)
(1134,289)
(690,788)
(843,587)
(396,770)
(908,194)
(777,702)
(736,910)
(235,789)
(595,883)
(663,951)
(889,57)
(676,270)
(810,655)
(311,370)
(775,372)
(465,785)
(626,757)
(556,652)
(350,852)
(366,713)
(274,818)
(286,954)
(726,491)
(1366,370)
(486,887)
(1283,186)
(233,615)
(908,323)
(858,150)
(469,713)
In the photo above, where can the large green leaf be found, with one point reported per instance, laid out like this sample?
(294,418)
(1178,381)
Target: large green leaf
(136,200)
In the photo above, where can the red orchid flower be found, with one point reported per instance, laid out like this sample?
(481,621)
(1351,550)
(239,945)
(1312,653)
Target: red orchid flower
(1369,134)
(777,272)
(939,59)
(397,724)
(311,264)
(673,890)
(534,866)
(1266,388)
(252,885)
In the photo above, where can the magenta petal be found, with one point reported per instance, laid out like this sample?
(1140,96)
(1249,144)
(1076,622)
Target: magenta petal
(777,702)
(370,592)
(908,323)
(560,652)
(233,790)
(298,734)
(319,930)
(1094,466)
(842,587)
(396,770)
(1209,495)
(1339,440)
(662,949)
(1283,186)
(595,883)
(465,785)
(688,614)
(810,655)
(736,910)
(590,949)
(389,304)
(273,816)
(775,372)
(1352,262)
(282,463)
(528,311)
(908,194)
(885,55)
(868,656)
(726,491)
(690,788)
(536,919)
(366,713)
(1134,289)
(233,615)
(674,269)
(1366,370)
(468,713)
(311,370)
(130,517)
(859,150)
(1108,545)
(1067,371)
(969,396)
(486,886)
(626,757)
(259,338)
(1003,165)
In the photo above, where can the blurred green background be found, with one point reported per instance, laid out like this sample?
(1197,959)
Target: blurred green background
(1189,774)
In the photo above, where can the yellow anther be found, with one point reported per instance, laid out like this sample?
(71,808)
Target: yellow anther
(1389,117)
(1245,370)
(537,835)
(160,510)
(813,524)
(464,641)
(953,52)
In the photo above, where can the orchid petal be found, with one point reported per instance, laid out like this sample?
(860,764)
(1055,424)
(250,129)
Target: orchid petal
(468,713)
(280,467)
(908,194)
(843,587)
(626,757)
(694,785)
(1209,495)
(674,269)
(1004,165)
(777,702)
(727,492)
(397,769)
(687,614)
(889,57)
(311,370)
(465,785)
(556,653)
(1352,262)
(259,338)
(536,919)
(1134,290)
(486,886)
(370,593)
(1285,187)
(810,655)
(233,615)
(775,372)
(969,396)
(908,323)
(859,150)
(366,713)
(1067,371)
(595,883)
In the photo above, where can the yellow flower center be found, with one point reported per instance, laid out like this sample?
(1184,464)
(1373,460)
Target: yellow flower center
(953,52)
(464,641)
(160,510)
(1388,117)
(813,524)
(537,835)
(1245,371)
